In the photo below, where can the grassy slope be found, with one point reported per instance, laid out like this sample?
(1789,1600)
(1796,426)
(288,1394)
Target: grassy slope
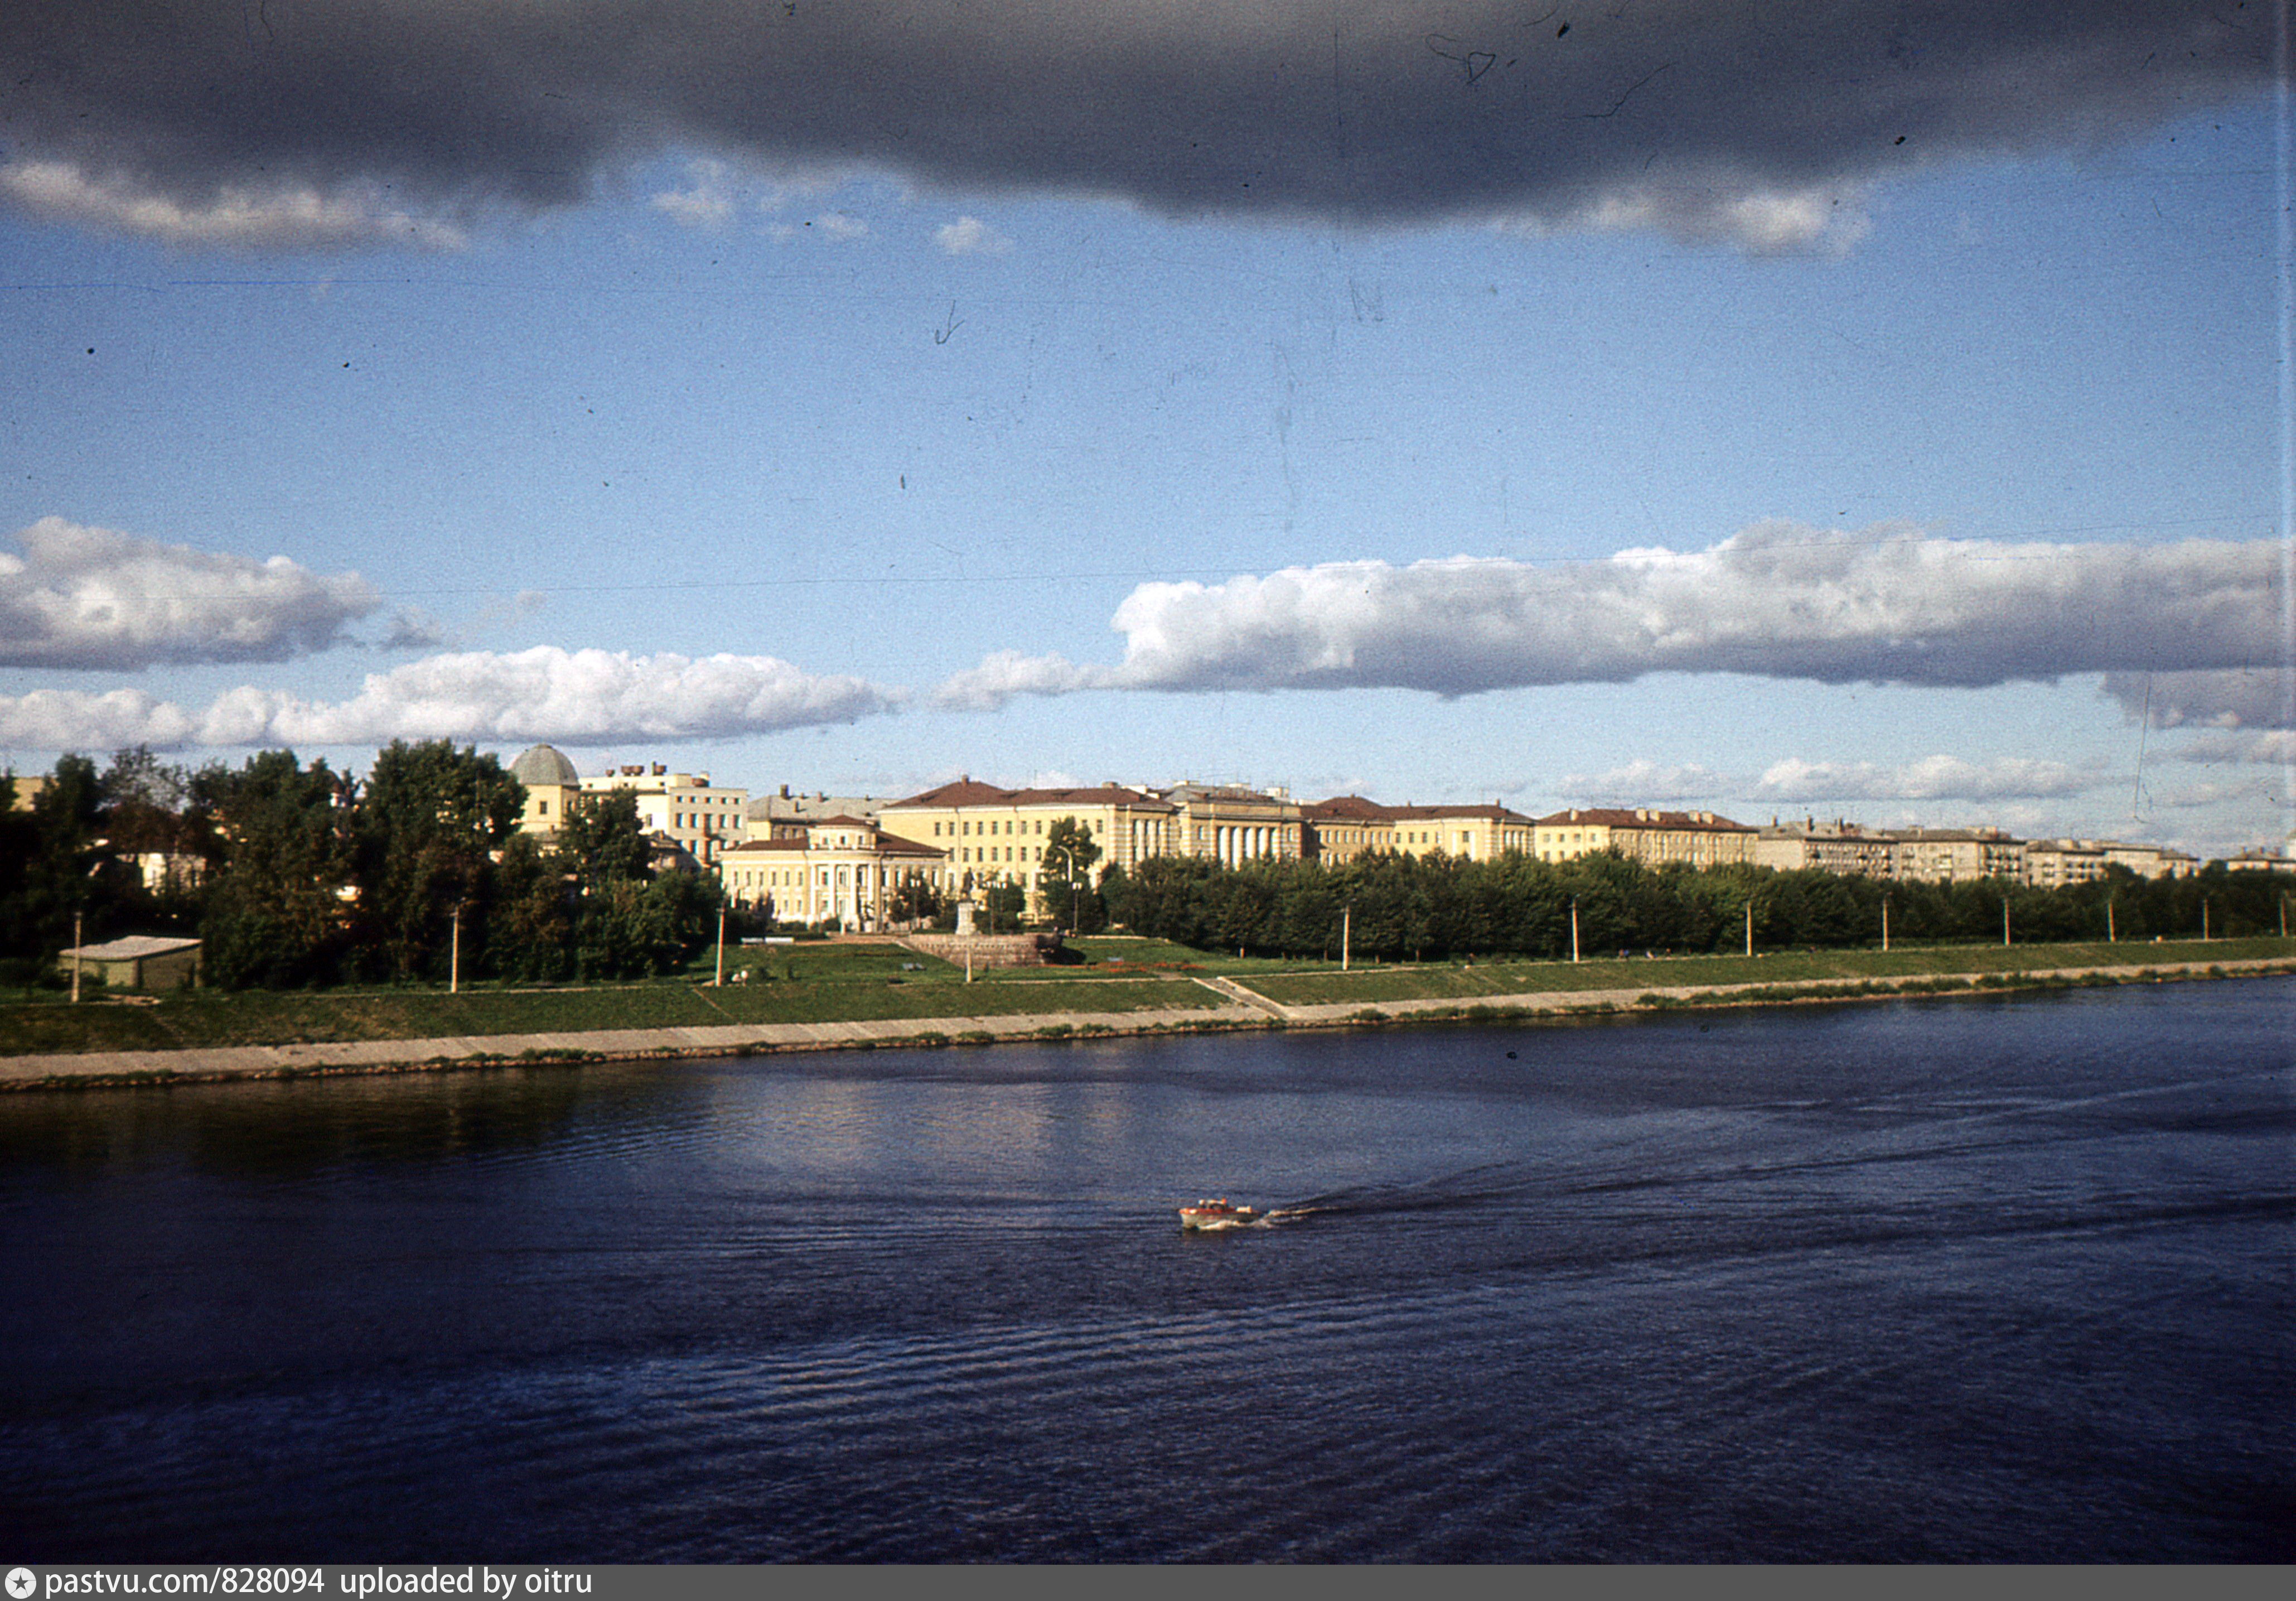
(1460,983)
(813,983)
(822,983)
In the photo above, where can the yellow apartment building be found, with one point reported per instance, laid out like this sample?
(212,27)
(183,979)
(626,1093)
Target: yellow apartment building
(1640,833)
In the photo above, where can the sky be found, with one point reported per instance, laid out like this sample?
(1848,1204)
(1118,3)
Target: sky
(1875,410)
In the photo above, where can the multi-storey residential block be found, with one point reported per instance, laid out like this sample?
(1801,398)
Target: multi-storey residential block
(1837,847)
(1955,855)
(845,870)
(1655,837)
(2150,861)
(2052,863)
(695,815)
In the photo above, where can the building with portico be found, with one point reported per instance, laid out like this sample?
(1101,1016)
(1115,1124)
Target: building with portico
(841,870)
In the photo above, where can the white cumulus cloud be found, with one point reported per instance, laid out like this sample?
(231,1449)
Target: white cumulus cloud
(587,696)
(1884,604)
(1641,780)
(2218,745)
(971,236)
(1004,674)
(1932,778)
(96,598)
(704,202)
(1824,221)
(234,217)
(76,719)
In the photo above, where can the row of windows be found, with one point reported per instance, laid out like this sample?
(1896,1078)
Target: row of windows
(963,828)
(775,878)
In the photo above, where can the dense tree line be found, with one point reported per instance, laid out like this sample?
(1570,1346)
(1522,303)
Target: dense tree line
(1401,907)
(299,875)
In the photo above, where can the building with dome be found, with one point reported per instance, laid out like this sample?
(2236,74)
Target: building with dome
(551,783)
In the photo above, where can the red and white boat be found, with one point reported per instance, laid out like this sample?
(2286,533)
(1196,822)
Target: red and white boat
(1216,1213)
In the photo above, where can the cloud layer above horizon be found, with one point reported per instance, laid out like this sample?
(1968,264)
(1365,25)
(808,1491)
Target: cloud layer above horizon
(331,126)
(578,697)
(1780,601)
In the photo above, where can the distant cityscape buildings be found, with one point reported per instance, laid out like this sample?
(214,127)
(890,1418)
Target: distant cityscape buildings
(814,857)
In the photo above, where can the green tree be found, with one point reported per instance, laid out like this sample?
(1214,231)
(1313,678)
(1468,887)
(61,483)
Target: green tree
(529,931)
(276,912)
(428,820)
(1065,867)
(602,842)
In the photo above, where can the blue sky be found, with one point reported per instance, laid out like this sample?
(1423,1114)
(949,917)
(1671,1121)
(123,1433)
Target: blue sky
(784,439)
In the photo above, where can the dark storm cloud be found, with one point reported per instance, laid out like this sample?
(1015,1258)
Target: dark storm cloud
(289,120)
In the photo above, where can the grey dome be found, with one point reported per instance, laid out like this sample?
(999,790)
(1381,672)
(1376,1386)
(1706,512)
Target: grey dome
(540,765)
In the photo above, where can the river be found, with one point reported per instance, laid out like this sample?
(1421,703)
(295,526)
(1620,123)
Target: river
(1974,1279)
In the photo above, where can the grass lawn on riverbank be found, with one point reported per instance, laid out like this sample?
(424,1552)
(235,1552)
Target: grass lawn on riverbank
(1459,981)
(831,983)
(802,983)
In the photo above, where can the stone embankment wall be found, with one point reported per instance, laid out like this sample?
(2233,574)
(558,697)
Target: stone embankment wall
(987,950)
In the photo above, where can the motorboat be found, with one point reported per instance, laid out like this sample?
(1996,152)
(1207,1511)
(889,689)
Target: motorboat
(1216,1213)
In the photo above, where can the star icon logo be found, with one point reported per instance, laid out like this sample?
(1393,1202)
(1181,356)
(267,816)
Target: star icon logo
(20,1583)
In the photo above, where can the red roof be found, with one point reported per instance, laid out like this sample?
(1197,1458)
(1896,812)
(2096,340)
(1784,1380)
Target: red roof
(972,792)
(1348,808)
(1614,816)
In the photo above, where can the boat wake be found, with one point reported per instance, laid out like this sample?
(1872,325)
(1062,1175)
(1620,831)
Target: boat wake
(1471,1186)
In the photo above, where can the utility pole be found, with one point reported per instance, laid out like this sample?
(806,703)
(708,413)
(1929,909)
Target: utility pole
(77,942)
(1750,925)
(2112,934)
(455,955)
(1574,928)
(719,981)
(2005,920)
(2204,919)
(1346,931)
(1885,923)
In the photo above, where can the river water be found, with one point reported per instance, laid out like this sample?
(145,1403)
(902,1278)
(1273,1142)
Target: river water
(1972,1279)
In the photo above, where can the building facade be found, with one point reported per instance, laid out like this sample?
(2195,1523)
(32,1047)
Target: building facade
(992,836)
(1955,855)
(1655,837)
(551,786)
(842,870)
(1348,827)
(696,816)
(1837,847)
(2052,864)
